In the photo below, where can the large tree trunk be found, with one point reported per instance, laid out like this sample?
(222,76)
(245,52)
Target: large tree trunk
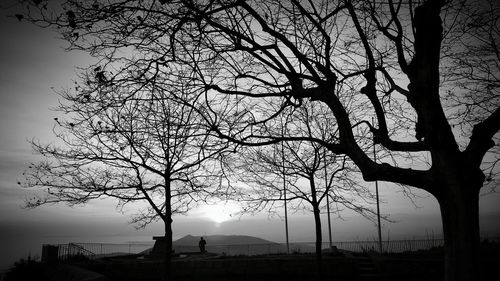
(455,180)
(459,204)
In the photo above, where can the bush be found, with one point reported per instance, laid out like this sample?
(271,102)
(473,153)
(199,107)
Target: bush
(25,269)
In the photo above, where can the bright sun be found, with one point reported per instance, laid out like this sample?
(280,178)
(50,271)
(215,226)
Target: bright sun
(219,213)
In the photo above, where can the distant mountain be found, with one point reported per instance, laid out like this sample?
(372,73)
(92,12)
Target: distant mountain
(222,240)
(229,244)
(234,245)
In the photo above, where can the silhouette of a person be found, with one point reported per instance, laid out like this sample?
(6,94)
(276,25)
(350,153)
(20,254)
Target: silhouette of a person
(202,244)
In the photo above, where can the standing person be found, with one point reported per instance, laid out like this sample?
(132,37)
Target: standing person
(202,244)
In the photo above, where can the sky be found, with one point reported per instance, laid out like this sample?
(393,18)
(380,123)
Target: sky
(33,63)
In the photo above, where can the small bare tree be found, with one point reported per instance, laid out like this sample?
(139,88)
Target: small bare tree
(302,173)
(132,140)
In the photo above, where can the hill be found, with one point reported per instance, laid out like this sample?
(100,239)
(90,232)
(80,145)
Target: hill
(222,240)
(229,244)
(234,245)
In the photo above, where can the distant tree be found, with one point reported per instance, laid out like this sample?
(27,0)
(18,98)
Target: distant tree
(385,61)
(153,150)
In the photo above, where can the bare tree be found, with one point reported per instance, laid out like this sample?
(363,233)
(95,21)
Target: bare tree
(298,168)
(152,149)
(301,173)
(361,59)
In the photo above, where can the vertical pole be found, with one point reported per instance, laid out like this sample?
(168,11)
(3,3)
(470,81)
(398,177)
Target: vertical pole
(327,190)
(378,203)
(284,197)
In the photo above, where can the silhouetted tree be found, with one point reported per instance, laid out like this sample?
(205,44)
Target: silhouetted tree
(361,59)
(305,171)
(471,75)
(153,150)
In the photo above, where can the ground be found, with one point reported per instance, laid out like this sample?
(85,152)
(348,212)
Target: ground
(419,265)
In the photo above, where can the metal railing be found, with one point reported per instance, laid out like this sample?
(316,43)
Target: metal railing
(100,250)
(394,246)
(66,251)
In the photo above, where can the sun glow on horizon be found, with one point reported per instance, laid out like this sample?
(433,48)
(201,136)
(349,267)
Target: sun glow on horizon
(219,213)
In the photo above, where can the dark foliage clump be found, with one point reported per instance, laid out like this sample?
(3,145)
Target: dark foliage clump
(26,269)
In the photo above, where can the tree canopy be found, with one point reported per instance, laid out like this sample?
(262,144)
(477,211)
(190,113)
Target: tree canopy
(411,74)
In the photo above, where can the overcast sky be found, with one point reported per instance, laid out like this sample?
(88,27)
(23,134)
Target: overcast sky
(33,61)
